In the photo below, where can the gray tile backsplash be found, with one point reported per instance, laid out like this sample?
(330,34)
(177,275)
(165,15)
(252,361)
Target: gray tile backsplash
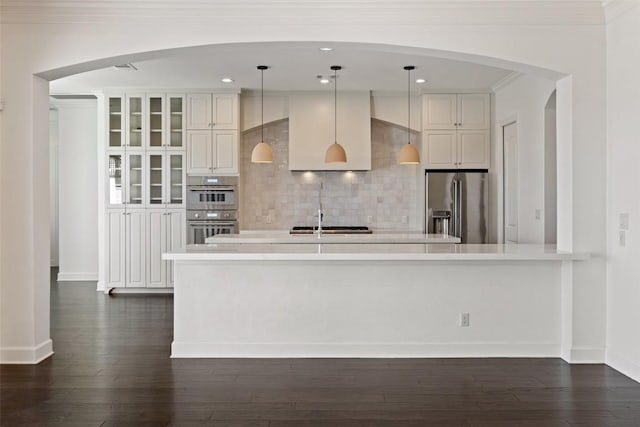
(274,198)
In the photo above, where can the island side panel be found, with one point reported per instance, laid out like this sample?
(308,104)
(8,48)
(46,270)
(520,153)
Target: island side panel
(366,309)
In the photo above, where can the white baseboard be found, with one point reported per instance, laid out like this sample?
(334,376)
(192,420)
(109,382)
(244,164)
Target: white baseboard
(623,365)
(26,355)
(77,277)
(358,350)
(586,355)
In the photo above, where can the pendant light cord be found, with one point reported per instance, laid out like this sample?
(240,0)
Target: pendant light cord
(409,106)
(335,106)
(262,104)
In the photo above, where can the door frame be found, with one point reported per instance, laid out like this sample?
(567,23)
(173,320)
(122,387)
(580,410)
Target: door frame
(499,174)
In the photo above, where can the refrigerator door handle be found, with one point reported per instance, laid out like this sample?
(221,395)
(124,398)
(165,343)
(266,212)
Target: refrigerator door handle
(459,209)
(454,219)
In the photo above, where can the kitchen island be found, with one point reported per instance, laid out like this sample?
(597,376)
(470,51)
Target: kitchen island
(369,300)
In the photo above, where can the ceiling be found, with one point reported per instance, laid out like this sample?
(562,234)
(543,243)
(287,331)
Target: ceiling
(293,66)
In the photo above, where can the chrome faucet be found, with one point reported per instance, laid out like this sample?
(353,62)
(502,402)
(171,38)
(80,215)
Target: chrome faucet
(320,213)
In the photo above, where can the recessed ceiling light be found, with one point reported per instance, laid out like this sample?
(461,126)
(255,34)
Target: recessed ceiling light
(326,49)
(325,81)
(227,80)
(421,81)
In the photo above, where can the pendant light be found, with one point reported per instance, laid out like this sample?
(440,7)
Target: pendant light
(409,153)
(262,152)
(335,153)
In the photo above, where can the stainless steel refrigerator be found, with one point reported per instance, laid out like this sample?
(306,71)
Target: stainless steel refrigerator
(463,198)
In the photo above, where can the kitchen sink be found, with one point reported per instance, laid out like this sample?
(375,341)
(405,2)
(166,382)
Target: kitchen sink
(331,229)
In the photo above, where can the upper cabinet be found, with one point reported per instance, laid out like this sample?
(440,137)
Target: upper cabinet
(456,131)
(311,130)
(212,133)
(456,111)
(213,111)
(115,121)
(135,119)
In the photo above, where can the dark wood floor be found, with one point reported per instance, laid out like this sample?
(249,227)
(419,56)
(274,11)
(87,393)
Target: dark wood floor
(112,368)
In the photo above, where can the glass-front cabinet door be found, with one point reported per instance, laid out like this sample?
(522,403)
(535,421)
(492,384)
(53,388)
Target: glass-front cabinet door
(175,120)
(115,122)
(135,118)
(135,179)
(155,128)
(156,179)
(115,180)
(176,179)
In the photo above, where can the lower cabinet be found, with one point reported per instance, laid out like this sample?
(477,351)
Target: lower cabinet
(166,232)
(136,239)
(126,248)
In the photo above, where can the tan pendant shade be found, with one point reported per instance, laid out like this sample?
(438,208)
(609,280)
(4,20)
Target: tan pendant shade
(262,153)
(409,153)
(335,154)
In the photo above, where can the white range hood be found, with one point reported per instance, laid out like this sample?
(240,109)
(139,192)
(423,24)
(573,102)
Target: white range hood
(311,130)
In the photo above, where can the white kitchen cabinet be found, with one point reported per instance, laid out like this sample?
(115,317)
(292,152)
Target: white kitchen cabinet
(212,111)
(125,178)
(126,248)
(135,125)
(166,232)
(212,152)
(156,122)
(175,122)
(165,179)
(469,111)
(456,149)
(115,122)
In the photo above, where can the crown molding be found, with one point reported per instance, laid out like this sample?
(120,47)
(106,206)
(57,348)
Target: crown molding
(311,12)
(506,81)
(613,9)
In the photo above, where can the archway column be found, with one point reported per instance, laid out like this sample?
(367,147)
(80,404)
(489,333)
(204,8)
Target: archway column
(24,220)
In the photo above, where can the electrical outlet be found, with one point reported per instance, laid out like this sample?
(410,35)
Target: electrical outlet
(624,221)
(622,238)
(369,219)
(267,219)
(538,214)
(464,320)
(405,219)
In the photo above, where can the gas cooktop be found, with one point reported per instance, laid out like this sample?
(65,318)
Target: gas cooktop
(331,229)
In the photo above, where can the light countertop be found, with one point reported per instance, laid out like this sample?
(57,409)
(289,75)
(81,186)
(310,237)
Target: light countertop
(372,252)
(377,238)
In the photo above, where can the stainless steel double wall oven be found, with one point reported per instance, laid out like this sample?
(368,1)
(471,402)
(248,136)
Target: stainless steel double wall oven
(212,207)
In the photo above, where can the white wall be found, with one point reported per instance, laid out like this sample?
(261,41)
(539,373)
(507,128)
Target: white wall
(78,200)
(523,100)
(554,42)
(623,112)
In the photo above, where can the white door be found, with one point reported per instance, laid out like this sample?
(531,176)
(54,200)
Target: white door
(439,149)
(224,112)
(116,242)
(510,141)
(156,240)
(135,244)
(176,238)
(199,152)
(225,157)
(199,111)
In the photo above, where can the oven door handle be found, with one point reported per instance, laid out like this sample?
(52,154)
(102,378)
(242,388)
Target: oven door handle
(210,188)
(210,223)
